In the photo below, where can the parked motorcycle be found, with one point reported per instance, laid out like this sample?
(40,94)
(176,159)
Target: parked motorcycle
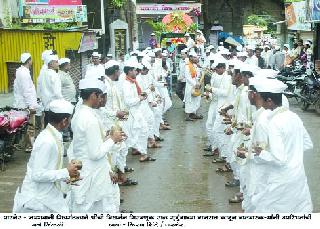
(310,92)
(13,124)
(294,79)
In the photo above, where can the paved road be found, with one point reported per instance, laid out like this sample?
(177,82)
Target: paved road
(181,180)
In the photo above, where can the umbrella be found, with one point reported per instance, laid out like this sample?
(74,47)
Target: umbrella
(232,41)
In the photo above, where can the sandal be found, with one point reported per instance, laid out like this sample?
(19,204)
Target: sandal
(233,183)
(189,119)
(198,117)
(125,211)
(158,139)
(236,199)
(218,160)
(224,169)
(28,150)
(129,182)
(128,170)
(154,146)
(148,158)
(208,155)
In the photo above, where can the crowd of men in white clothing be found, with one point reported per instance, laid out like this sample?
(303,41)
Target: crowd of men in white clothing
(250,129)
(117,110)
(120,109)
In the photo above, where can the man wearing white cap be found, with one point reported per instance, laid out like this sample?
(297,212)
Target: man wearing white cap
(25,96)
(44,187)
(146,105)
(251,59)
(192,103)
(91,145)
(136,127)
(221,87)
(68,88)
(50,84)
(181,84)
(95,69)
(287,189)
(189,42)
(44,67)
(200,41)
(255,172)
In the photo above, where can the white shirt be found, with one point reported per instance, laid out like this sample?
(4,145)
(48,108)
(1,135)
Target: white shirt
(182,69)
(68,89)
(50,87)
(41,189)
(90,146)
(24,91)
(252,61)
(97,69)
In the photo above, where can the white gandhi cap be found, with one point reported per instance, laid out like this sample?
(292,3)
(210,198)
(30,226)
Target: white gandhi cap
(24,57)
(61,106)
(91,84)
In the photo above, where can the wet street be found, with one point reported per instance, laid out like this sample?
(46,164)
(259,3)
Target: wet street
(181,179)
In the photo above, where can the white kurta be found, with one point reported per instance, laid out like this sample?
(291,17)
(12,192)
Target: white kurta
(50,87)
(256,172)
(222,87)
(136,125)
(252,61)
(41,188)
(68,90)
(192,104)
(148,113)
(23,89)
(95,71)
(287,190)
(95,192)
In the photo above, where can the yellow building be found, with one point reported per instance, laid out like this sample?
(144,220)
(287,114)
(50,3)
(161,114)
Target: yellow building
(15,42)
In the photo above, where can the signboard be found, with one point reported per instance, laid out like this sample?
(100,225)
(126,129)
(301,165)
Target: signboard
(296,16)
(314,9)
(44,13)
(88,42)
(53,2)
(143,8)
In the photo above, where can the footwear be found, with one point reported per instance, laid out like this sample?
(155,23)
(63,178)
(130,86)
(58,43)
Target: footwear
(219,160)
(158,139)
(233,183)
(208,155)
(164,127)
(129,182)
(128,170)
(208,149)
(198,117)
(236,199)
(154,145)
(189,119)
(146,159)
(28,150)
(121,201)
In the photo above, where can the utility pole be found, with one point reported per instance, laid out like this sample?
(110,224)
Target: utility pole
(103,28)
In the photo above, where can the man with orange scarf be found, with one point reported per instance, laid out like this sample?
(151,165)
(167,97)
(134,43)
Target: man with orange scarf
(192,73)
(136,126)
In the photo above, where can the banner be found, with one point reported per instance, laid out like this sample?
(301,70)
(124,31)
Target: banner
(143,8)
(296,16)
(88,42)
(314,9)
(53,2)
(51,14)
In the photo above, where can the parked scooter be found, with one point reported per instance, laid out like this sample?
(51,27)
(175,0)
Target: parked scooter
(310,92)
(13,124)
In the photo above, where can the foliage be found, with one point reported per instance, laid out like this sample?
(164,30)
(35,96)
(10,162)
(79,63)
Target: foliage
(44,26)
(157,27)
(256,20)
(193,28)
(118,3)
